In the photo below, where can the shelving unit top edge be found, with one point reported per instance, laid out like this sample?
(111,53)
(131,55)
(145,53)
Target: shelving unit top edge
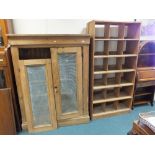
(117,39)
(100,22)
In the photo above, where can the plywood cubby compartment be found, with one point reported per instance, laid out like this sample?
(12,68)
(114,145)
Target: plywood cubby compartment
(113,63)
(113,80)
(114,50)
(109,108)
(112,94)
(105,29)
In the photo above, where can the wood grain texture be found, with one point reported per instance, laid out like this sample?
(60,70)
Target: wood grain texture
(110,113)
(91,31)
(51,44)
(146,75)
(3,60)
(141,129)
(3,25)
(85,73)
(7,120)
(6,64)
(57,83)
(122,68)
(74,121)
(15,59)
(27,98)
(48,39)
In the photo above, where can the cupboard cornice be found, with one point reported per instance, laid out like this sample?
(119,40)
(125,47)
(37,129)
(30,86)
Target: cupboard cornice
(19,40)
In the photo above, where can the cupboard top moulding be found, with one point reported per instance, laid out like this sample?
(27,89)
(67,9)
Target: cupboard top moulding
(48,39)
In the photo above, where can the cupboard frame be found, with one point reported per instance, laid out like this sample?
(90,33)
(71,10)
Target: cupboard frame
(53,42)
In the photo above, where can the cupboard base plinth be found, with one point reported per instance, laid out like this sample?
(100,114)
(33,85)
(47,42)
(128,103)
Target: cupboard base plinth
(66,122)
(110,114)
(74,121)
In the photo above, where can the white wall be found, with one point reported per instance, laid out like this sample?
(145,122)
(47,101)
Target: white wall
(53,26)
(46,26)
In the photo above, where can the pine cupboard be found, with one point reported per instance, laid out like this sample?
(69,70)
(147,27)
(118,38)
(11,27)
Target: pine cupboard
(52,79)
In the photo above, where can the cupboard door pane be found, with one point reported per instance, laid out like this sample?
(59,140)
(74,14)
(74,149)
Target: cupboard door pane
(67,76)
(38,95)
(67,66)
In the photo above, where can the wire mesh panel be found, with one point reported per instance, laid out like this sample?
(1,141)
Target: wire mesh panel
(67,66)
(38,95)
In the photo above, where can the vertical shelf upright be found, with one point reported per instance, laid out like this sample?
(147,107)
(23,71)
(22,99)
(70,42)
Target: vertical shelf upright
(114,49)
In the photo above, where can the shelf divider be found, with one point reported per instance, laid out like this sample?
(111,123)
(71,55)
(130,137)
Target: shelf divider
(107,31)
(121,31)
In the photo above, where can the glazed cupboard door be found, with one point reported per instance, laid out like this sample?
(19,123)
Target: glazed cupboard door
(67,76)
(38,95)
